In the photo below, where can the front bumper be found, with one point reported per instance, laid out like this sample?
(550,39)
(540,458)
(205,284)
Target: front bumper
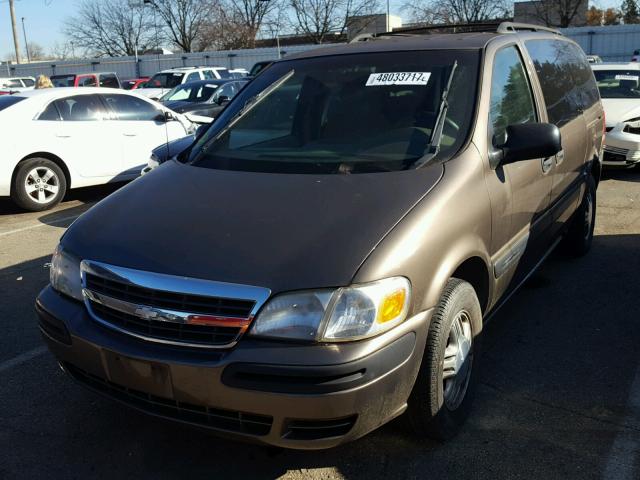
(621,149)
(283,394)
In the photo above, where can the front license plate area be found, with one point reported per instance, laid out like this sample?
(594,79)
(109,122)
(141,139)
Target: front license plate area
(141,375)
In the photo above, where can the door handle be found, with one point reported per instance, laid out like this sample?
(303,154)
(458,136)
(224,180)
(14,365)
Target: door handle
(559,157)
(547,163)
(129,134)
(61,135)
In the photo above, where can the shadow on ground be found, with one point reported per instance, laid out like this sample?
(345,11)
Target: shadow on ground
(553,396)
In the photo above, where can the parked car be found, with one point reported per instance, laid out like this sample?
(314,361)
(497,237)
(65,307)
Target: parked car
(594,59)
(239,72)
(164,81)
(133,83)
(106,79)
(60,138)
(258,67)
(16,84)
(619,86)
(324,257)
(204,98)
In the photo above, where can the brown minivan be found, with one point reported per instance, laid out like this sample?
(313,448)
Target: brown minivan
(323,258)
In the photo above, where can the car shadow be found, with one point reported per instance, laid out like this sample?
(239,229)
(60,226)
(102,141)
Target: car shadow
(622,174)
(559,362)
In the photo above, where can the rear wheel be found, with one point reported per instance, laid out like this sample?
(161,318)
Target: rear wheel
(579,237)
(39,184)
(442,396)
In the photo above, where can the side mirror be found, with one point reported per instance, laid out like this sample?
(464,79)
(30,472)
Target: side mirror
(164,117)
(530,140)
(222,99)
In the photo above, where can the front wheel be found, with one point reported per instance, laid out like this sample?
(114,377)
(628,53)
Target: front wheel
(39,184)
(441,398)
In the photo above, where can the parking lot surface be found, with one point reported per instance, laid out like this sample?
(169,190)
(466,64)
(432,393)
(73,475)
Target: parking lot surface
(559,393)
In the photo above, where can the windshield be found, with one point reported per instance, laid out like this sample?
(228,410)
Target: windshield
(190,92)
(63,80)
(8,100)
(164,80)
(618,83)
(343,114)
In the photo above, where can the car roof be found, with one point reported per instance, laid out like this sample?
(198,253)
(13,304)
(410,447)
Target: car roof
(187,69)
(59,92)
(616,66)
(83,73)
(442,41)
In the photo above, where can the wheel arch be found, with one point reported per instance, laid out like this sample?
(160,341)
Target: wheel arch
(475,271)
(596,169)
(49,156)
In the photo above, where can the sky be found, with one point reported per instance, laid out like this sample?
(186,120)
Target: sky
(44,20)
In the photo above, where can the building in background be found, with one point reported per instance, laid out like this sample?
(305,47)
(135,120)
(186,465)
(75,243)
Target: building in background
(573,13)
(373,24)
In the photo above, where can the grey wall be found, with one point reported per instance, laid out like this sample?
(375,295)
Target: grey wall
(614,43)
(147,65)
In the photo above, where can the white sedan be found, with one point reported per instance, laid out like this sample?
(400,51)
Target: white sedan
(60,138)
(619,86)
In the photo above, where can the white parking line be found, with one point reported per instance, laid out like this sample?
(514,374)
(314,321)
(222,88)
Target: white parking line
(53,222)
(623,461)
(23,357)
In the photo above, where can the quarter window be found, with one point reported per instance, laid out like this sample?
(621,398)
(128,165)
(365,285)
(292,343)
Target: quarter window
(28,82)
(511,98)
(130,108)
(110,81)
(89,81)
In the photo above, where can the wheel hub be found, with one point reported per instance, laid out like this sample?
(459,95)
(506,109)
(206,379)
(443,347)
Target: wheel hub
(42,184)
(456,365)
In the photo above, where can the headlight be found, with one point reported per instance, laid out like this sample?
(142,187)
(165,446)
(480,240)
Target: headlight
(64,274)
(350,313)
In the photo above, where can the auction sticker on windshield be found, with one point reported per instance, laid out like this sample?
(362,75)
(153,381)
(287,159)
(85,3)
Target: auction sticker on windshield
(627,77)
(398,78)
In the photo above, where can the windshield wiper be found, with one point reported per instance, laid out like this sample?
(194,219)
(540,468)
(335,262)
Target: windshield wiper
(251,103)
(436,135)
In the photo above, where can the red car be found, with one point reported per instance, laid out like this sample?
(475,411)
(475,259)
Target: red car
(133,83)
(86,80)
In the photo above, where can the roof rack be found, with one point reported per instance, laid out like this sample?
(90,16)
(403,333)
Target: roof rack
(514,27)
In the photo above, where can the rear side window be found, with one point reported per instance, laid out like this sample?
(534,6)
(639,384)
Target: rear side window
(80,108)
(130,108)
(63,80)
(109,80)
(562,78)
(208,75)
(224,73)
(28,82)
(511,98)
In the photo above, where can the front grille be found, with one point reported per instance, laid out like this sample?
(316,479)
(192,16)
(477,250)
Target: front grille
(319,429)
(617,150)
(222,307)
(613,157)
(204,416)
(168,309)
(166,331)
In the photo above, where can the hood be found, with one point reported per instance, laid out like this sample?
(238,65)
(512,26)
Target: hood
(151,92)
(280,231)
(176,105)
(620,109)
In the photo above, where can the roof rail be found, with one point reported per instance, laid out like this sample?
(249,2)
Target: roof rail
(514,27)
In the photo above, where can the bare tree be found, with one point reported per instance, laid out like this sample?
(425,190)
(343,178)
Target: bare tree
(246,18)
(36,52)
(110,27)
(455,11)
(558,13)
(317,18)
(185,21)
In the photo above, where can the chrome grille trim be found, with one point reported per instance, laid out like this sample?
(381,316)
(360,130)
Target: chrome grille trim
(163,283)
(620,151)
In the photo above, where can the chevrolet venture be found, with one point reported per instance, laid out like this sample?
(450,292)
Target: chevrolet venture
(322,258)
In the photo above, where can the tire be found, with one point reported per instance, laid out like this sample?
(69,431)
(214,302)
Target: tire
(434,409)
(26,191)
(577,242)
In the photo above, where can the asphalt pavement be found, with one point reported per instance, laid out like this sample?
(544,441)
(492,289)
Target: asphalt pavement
(559,393)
